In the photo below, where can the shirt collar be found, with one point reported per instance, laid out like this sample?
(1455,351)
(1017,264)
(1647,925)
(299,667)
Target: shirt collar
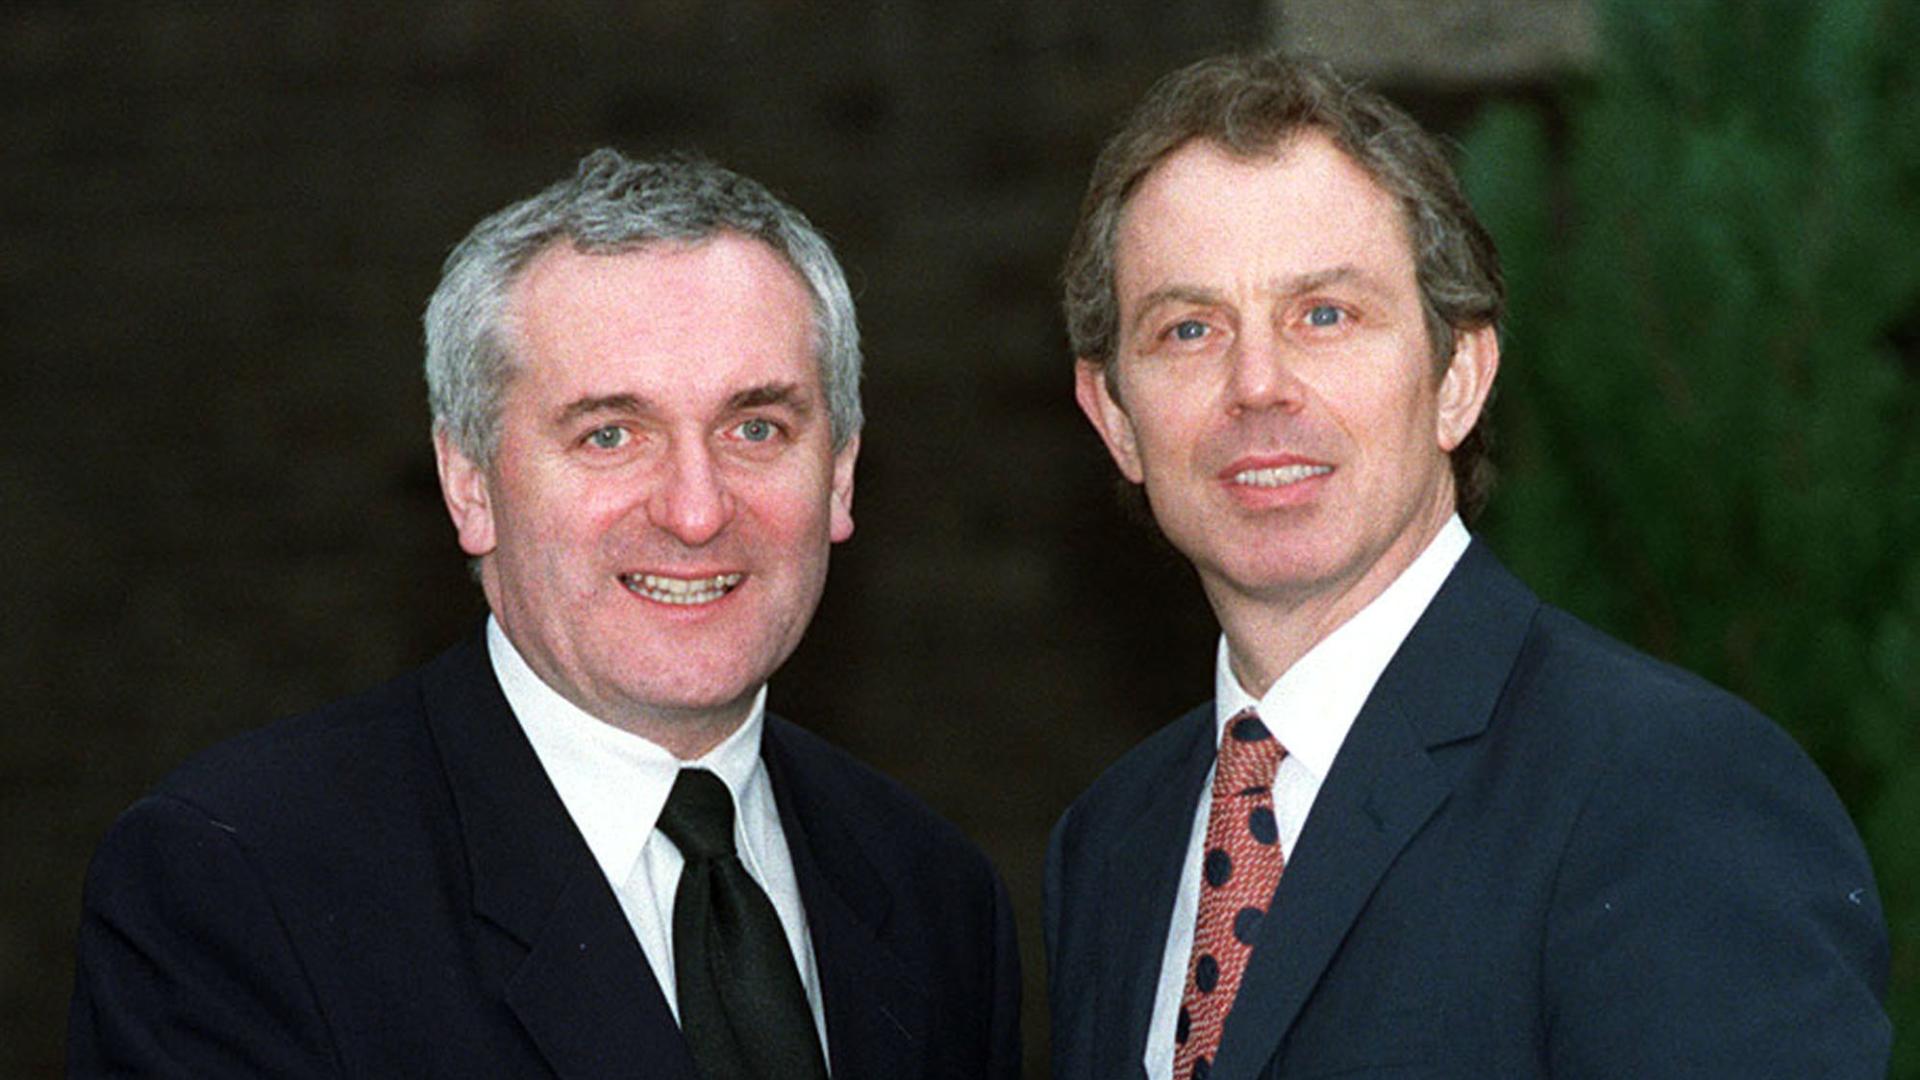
(612,782)
(1313,704)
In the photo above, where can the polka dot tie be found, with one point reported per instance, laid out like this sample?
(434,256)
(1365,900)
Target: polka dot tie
(1238,874)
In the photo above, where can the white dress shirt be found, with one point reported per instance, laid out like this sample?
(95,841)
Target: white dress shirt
(1310,709)
(614,785)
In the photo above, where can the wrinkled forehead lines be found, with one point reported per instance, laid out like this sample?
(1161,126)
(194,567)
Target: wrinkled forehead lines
(578,285)
(537,267)
(1193,155)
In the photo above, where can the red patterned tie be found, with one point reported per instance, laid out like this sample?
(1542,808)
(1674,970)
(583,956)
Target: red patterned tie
(1238,876)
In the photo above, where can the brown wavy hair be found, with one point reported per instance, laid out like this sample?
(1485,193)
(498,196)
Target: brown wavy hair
(1251,106)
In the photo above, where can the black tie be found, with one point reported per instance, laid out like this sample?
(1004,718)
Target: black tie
(742,1009)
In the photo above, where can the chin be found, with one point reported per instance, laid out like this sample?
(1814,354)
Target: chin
(690,698)
(1276,579)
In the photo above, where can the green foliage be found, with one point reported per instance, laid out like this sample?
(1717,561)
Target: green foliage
(1709,418)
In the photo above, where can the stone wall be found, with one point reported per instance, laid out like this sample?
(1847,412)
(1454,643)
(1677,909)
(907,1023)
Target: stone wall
(218,224)
(1441,43)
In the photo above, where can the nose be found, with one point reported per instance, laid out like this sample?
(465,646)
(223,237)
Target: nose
(691,501)
(1262,375)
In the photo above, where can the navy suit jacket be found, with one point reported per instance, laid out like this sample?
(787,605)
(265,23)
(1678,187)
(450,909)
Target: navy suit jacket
(391,887)
(1538,853)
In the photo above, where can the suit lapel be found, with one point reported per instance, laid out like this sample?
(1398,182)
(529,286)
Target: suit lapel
(1440,688)
(877,1010)
(587,996)
(1381,789)
(568,964)
(1141,879)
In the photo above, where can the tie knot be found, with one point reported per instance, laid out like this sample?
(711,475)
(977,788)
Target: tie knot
(698,817)
(1249,754)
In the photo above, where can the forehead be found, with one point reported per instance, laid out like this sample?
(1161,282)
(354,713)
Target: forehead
(711,314)
(1305,207)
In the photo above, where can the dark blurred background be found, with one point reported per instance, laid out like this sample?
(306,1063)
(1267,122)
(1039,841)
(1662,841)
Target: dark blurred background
(219,222)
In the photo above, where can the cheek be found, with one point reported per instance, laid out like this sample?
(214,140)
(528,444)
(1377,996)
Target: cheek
(786,512)
(1395,420)
(565,524)
(563,536)
(1168,428)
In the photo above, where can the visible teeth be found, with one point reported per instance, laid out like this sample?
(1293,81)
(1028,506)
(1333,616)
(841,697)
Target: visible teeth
(673,590)
(1285,474)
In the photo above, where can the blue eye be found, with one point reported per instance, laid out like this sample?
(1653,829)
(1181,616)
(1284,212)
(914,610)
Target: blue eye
(1189,330)
(1324,315)
(611,437)
(756,430)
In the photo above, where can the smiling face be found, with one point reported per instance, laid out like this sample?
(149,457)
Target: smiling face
(654,528)
(1274,388)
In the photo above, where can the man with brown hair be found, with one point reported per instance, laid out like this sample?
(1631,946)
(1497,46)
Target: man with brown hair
(1428,825)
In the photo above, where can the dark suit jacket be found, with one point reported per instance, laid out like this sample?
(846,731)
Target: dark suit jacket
(390,887)
(1538,853)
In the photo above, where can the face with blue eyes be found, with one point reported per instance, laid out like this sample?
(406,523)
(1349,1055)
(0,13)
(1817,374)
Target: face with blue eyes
(1274,389)
(653,530)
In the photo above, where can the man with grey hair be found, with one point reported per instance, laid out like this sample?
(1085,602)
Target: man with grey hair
(577,844)
(1428,826)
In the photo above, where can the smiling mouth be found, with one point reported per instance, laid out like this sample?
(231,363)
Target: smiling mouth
(683,591)
(1281,476)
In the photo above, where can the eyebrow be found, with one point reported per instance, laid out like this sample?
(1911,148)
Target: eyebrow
(1345,273)
(790,395)
(601,403)
(759,397)
(1186,294)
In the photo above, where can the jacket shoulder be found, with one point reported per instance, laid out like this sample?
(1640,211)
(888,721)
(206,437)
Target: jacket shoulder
(1703,855)
(359,751)
(827,782)
(1129,782)
(1628,699)
(932,896)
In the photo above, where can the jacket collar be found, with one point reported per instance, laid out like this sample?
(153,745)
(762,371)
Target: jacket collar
(1440,688)
(1142,876)
(877,1011)
(568,965)
(573,973)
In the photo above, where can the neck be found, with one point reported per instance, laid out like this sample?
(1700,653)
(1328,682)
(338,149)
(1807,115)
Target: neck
(686,734)
(685,731)
(1267,633)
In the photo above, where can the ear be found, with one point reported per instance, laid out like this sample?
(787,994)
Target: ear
(1465,385)
(463,485)
(840,525)
(1096,399)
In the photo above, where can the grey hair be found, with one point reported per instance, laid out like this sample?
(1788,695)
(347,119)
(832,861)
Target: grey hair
(614,204)
(1251,106)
